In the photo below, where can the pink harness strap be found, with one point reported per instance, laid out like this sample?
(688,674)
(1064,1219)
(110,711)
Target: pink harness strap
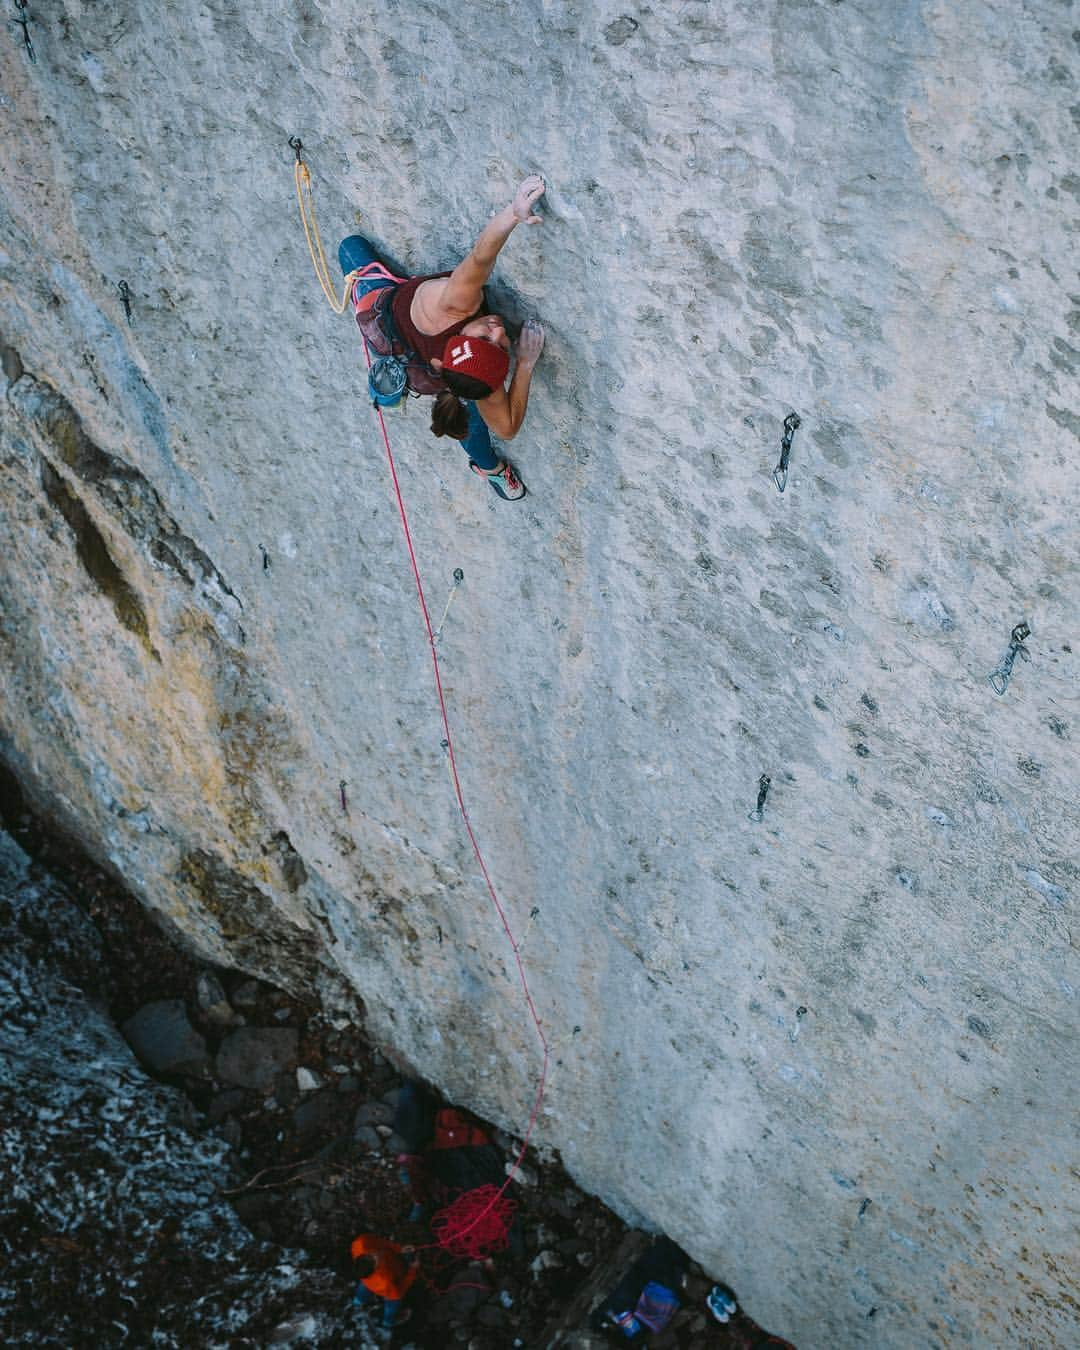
(364,302)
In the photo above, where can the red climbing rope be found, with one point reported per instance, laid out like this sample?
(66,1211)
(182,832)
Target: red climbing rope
(476,1225)
(464,1219)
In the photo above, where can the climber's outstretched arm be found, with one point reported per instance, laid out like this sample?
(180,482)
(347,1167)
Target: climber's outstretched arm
(464,287)
(504,411)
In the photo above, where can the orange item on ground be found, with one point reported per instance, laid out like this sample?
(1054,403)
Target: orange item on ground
(392,1277)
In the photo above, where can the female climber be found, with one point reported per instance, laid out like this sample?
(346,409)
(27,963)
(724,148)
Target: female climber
(451,347)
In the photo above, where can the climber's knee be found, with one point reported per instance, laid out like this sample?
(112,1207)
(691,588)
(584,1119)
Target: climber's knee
(354,252)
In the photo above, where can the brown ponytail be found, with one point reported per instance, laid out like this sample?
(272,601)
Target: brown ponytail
(449,416)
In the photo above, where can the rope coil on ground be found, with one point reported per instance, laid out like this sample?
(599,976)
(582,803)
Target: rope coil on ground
(476,1225)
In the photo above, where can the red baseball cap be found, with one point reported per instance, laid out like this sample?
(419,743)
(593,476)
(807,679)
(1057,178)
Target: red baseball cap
(476,357)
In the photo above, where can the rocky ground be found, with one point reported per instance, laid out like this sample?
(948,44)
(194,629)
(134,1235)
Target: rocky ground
(211,1199)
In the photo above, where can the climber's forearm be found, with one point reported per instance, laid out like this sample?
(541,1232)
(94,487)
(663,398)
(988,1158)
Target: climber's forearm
(463,292)
(504,411)
(492,237)
(518,396)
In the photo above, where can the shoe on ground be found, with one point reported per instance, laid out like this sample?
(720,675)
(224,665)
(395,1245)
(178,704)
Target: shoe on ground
(506,484)
(721,1304)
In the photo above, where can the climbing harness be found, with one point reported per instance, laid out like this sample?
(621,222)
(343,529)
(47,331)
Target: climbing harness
(471,1223)
(763,791)
(791,424)
(999,677)
(24,23)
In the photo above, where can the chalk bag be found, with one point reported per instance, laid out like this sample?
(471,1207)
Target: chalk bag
(387,382)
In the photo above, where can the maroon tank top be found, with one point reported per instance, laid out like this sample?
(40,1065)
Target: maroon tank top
(425,345)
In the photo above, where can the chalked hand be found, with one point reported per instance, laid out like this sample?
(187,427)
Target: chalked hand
(530,343)
(526,197)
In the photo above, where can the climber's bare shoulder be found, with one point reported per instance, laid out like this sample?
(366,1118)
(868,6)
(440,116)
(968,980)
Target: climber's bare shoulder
(436,306)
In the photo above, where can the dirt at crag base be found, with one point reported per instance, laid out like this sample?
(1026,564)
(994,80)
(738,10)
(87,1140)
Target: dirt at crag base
(261,1187)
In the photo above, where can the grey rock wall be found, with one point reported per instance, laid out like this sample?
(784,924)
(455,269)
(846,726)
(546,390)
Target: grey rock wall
(862,212)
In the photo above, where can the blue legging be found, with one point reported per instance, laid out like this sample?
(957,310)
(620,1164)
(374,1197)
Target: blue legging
(364,1298)
(356,251)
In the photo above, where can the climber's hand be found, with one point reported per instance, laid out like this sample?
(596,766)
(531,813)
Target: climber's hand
(530,343)
(526,197)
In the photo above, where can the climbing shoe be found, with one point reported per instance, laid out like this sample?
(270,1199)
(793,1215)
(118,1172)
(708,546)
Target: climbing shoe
(505,483)
(720,1303)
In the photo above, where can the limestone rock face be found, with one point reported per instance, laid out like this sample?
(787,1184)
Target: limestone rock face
(829,1051)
